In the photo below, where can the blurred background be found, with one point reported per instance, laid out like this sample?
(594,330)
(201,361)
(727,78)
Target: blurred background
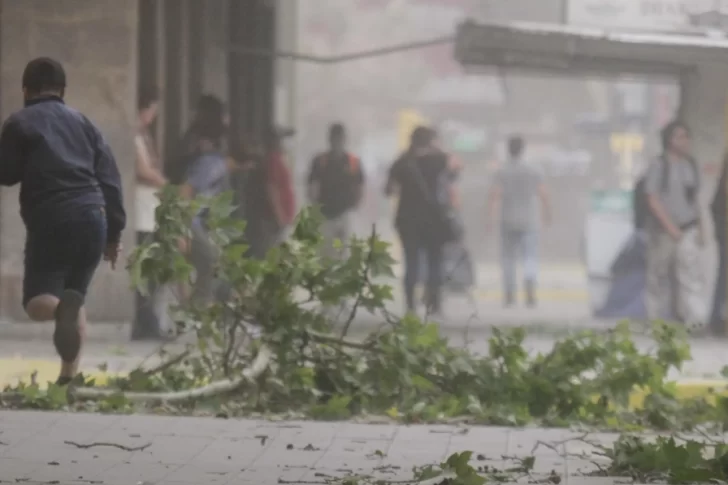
(380,67)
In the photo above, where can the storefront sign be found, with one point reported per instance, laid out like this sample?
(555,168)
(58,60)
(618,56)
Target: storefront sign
(654,15)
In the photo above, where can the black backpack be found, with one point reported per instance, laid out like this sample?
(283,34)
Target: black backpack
(641,206)
(344,176)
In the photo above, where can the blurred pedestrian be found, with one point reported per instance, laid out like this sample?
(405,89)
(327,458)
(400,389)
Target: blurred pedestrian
(421,176)
(149,180)
(207,176)
(209,115)
(336,184)
(516,198)
(675,231)
(270,200)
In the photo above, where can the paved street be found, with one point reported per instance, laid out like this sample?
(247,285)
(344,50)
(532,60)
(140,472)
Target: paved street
(53,448)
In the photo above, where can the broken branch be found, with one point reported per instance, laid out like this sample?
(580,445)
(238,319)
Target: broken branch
(167,364)
(331,340)
(259,365)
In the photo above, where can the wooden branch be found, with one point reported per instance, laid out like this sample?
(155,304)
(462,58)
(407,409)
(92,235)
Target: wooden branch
(331,340)
(167,364)
(259,365)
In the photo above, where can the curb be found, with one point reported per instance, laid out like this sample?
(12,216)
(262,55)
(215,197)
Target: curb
(687,389)
(118,333)
(47,370)
(114,332)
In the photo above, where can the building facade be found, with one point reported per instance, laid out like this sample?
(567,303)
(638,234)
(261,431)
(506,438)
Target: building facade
(111,47)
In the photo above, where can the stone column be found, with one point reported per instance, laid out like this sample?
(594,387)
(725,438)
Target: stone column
(96,42)
(215,53)
(285,69)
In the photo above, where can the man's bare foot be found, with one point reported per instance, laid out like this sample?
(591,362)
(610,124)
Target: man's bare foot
(67,335)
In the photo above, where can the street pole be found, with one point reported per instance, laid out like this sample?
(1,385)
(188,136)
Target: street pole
(724,249)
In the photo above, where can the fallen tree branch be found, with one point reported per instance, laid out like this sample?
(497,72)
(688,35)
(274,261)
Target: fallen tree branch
(167,364)
(110,445)
(330,339)
(259,365)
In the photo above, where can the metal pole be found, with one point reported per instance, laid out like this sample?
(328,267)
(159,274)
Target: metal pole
(724,248)
(565,11)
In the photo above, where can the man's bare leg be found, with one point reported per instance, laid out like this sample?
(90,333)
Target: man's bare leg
(42,308)
(70,318)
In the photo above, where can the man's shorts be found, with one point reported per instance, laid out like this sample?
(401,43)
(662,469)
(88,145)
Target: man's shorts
(64,255)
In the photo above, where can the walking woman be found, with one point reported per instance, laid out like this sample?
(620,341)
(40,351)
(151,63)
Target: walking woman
(207,176)
(149,319)
(422,222)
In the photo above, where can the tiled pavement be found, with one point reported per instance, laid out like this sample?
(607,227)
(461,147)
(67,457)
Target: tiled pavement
(212,451)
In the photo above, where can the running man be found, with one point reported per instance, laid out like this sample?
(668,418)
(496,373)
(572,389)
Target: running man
(70,201)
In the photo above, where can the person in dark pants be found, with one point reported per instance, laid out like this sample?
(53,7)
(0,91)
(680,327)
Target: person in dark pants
(718,210)
(417,176)
(70,201)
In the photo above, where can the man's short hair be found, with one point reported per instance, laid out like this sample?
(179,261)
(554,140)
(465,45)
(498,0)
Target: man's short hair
(516,144)
(337,130)
(210,106)
(422,137)
(44,74)
(147,96)
(668,132)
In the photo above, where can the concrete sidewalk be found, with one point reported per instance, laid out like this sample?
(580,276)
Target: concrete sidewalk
(57,448)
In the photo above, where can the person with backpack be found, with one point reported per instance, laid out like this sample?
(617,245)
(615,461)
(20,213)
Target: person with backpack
(425,220)
(675,231)
(336,183)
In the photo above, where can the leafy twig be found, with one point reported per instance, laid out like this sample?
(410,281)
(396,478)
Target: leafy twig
(365,276)
(553,445)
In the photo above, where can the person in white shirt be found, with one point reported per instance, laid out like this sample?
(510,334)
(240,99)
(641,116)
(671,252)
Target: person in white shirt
(149,180)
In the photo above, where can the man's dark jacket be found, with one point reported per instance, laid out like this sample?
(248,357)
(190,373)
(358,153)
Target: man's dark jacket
(62,163)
